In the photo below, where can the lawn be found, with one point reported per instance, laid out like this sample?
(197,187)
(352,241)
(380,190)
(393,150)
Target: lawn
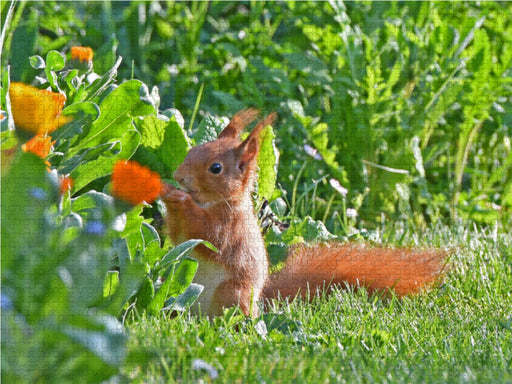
(461,332)
(394,126)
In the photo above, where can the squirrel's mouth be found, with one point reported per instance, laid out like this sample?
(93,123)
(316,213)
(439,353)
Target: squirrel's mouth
(183,188)
(192,192)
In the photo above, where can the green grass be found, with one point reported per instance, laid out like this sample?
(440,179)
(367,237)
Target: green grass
(459,332)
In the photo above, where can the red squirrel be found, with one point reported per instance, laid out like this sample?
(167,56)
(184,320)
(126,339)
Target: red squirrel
(215,204)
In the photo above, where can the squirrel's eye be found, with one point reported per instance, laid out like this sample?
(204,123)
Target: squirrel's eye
(215,168)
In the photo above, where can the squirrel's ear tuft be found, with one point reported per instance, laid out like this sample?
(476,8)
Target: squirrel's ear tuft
(251,145)
(268,120)
(239,121)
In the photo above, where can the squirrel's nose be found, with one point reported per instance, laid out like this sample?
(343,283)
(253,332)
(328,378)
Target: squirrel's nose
(178,176)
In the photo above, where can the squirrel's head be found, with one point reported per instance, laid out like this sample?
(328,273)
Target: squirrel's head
(223,170)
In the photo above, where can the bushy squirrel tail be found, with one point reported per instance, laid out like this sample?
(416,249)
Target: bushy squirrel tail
(312,267)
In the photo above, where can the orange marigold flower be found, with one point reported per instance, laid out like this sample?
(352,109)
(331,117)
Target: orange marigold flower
(135,183)
(35,110)
(81,53)
(40,145)
(65,184)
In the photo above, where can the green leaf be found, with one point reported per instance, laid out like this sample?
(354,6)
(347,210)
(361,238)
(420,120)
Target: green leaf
(72,220)
(174,147)
(111,283)
(150,159)
(182,276)
(306,230)
(85,267)
(102,166)
(117,111)
(134,221)
(108,344)
(66,347)
(144,295)
(37,62)
(164,145)
(55,61)
(86,108)
(100,85)
(153,253)
(268,160)
(72,79)
(149,234)
(174,113)
(185,300)
(91,200)
(107,149)
(180,251)
(132,277)
(152,130)
(208,129)
(277,252)
(149,98)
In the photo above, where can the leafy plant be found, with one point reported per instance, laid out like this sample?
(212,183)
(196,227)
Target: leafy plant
(75,259)
(53,266)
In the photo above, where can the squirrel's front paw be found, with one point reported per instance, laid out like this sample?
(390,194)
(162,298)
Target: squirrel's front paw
(177,196)
(171,193)
(167,189)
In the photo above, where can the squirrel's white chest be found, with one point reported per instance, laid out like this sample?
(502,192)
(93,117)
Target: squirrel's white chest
(210,275)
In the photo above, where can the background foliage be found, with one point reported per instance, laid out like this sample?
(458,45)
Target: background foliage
(410,113)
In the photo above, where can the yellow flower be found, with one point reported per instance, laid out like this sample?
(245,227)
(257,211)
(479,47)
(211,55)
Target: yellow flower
(135,183)
(40,145)
(81,53)
(36,110)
